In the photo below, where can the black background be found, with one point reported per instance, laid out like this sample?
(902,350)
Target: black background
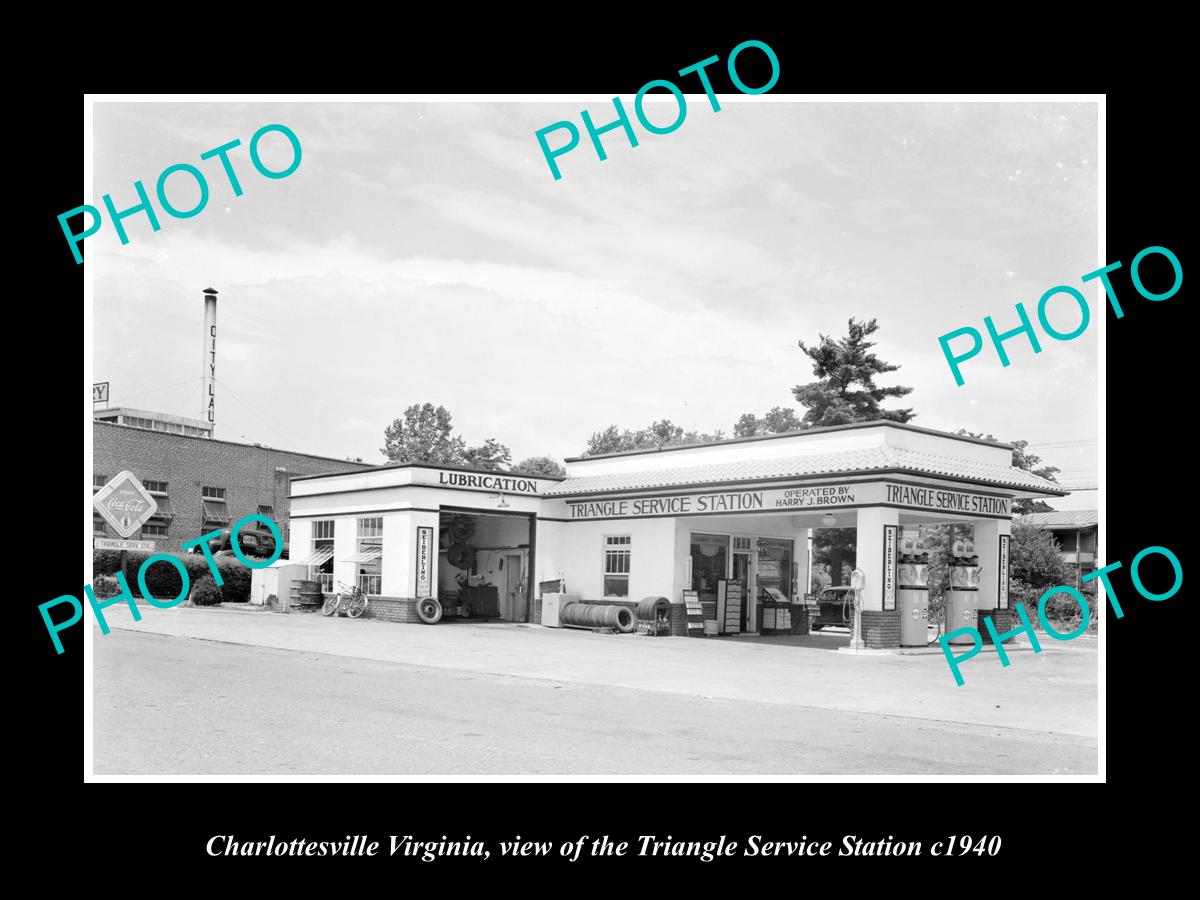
(1149,443)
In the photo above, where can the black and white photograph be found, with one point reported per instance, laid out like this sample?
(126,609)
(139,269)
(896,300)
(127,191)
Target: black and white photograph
(529,437)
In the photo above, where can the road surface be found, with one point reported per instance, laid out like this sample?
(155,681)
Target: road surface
(176,705)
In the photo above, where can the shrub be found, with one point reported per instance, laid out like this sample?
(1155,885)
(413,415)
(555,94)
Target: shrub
(1062,610)
(105,586)
(206,593)
(163,579)
(237,580)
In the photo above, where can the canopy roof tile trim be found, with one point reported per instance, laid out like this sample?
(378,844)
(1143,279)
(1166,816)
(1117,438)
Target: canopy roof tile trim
(1079,518)
(847,462)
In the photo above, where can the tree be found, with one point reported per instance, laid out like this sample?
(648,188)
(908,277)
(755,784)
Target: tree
(777,421)
(423,436)
(836,548)
(664,433)
(1025,461)
(490,455)
(541,465)
(840,364)
(655,436)
(1036,559)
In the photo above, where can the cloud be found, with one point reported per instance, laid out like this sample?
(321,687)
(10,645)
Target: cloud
(423,252)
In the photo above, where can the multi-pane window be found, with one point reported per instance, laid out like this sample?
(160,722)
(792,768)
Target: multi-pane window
(616,565)
(164,512)
(215,510)
(368,561)
(98,481)
(321,558)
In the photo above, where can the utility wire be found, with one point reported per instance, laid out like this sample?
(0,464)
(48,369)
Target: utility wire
(1078,443)
(154,391)
(267,420)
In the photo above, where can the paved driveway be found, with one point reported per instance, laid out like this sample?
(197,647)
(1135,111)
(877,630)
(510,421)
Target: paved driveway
(1054,692)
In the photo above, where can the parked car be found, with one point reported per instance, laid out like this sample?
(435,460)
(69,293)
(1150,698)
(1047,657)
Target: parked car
(254,539)
(833,609)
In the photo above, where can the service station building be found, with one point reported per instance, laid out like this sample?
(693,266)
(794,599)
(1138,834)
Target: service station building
(682,523)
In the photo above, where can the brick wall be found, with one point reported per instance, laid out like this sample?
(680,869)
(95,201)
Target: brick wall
(881,628)
(393,609)
(1002,621)
(246,472)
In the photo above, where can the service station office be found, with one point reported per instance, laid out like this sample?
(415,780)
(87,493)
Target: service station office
(679,523)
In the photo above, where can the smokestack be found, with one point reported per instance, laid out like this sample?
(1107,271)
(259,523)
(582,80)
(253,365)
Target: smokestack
(209,371)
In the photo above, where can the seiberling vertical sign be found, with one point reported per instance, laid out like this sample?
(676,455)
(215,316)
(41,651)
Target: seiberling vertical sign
(424,562)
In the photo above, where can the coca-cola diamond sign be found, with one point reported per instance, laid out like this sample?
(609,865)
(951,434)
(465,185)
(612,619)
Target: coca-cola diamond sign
(124,503)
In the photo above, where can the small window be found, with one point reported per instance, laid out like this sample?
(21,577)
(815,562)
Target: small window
(368,561)
(154,486)
(98,526)
(616,566)
(154,526)
(321,558)
(215,511)
(98,481)
(741,544)
(267,511)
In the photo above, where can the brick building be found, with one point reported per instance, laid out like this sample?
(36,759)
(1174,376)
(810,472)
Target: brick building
(200,483)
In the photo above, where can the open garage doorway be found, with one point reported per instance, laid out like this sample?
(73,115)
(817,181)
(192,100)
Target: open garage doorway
(484,564)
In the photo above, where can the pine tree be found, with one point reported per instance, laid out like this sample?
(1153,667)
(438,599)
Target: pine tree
(839,365)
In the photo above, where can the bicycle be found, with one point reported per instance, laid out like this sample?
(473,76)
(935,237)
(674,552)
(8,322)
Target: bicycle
(354,604)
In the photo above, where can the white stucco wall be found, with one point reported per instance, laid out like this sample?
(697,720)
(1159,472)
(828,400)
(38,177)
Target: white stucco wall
(577,549)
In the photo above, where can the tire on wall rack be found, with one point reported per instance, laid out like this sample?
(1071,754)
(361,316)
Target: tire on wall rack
(429,610)
(461,528)
(460,556)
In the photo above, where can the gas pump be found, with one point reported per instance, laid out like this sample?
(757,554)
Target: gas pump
(858,581)
(962,600)
(913,590)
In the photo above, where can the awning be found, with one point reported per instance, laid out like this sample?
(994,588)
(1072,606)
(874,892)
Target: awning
(164,510)
(215,511)
(316,558)
(369,555)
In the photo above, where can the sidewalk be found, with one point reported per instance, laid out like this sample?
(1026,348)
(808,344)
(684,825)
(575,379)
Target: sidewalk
(1048,692)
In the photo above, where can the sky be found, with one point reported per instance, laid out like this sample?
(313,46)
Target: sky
(423,252)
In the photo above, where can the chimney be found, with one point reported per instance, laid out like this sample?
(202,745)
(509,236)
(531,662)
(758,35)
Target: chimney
(209,371)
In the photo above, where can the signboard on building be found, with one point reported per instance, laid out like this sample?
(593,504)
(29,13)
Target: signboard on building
(121,544)
(100,392)
(424,562)
(946,500)
(1002,568)
(891,535)
(124,503)
(822,496)
(503,484)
